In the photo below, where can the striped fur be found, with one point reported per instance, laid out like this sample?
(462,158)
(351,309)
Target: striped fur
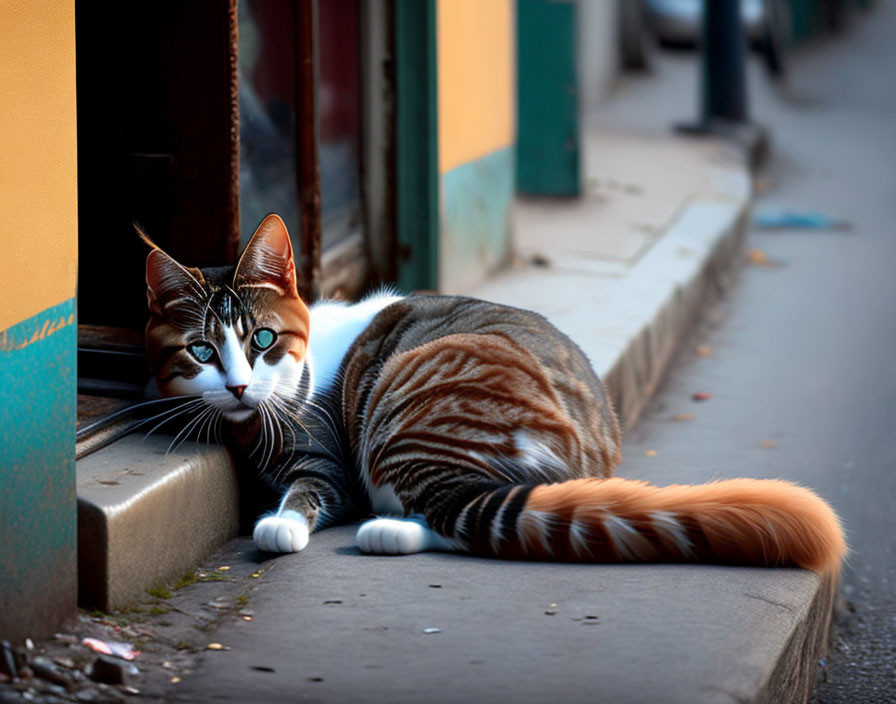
(481,426)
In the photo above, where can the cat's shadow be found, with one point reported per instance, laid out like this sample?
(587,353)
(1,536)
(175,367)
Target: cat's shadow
(348,550)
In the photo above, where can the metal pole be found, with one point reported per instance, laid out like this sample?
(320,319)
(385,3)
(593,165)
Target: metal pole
(723,63)
(723,81)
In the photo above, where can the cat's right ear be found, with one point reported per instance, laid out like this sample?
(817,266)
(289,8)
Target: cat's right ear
(168,283)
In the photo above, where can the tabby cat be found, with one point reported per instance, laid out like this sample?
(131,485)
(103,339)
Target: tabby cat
(463,425)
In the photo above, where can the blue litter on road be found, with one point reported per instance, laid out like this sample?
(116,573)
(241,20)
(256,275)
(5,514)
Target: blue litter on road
(810,220)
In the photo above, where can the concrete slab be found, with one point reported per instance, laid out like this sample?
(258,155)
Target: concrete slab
(333,625)
(145,517)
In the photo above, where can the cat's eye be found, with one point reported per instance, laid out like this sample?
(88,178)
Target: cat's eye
(263,338)
(201,351)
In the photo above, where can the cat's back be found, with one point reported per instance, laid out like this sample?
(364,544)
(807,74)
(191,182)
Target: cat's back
(418,320)
(448,342)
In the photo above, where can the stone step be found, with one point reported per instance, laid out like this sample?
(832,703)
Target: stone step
(145,517)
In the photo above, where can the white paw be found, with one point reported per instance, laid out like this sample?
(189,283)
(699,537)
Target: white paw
(286,532)
(395,536)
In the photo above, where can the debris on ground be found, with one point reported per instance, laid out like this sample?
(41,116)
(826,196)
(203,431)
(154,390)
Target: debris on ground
(540,260)
(94,659)
(757,257)
(124,651)
(702,396)
(803,220)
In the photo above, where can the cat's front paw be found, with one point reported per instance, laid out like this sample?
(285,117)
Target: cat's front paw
(286,532)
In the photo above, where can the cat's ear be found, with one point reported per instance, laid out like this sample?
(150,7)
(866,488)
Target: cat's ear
(168,282)
(267,260)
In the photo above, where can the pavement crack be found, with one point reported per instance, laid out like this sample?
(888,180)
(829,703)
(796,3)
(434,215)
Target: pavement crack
(787,607)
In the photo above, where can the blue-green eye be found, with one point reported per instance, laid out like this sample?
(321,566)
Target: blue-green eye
(201,351)
(264,338)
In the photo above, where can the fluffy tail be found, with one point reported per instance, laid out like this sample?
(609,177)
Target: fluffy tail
(736,521)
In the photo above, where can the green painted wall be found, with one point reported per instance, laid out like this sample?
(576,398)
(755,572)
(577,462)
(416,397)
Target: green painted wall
(38,528)
(548,146)
(416,144)
(477,198)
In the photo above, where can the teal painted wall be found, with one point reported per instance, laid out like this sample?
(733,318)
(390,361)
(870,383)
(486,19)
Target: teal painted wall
(476,203)
(548,143)
(38,529)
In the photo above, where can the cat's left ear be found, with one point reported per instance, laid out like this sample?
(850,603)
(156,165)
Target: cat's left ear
(267,260)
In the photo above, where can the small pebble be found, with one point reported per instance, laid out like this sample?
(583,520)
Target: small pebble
(108,670)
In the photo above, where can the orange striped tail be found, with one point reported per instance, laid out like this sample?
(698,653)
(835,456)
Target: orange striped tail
(736,521)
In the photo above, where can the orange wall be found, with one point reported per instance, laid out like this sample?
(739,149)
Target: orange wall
(38,166)
(476,79)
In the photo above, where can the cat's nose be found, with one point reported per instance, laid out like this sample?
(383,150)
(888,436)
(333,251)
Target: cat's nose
(236,390)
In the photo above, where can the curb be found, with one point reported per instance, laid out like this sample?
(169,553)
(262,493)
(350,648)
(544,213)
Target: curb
(719,228)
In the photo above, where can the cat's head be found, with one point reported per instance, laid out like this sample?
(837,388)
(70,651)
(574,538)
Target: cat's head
(235,336)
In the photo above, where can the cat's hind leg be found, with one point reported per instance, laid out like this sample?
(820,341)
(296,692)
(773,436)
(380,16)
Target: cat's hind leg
(400,536)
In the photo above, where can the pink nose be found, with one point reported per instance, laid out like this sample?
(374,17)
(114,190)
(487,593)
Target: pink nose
(236,390)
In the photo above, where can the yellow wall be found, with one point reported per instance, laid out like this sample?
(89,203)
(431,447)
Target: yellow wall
(476,79)
(38,157)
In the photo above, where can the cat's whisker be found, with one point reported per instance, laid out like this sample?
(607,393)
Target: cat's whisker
(324,413)
(276,409)
(278,444)
(297,420)
(273,438)
(209,423)
(171,414)
(268,436)
(264,434)
(185,431)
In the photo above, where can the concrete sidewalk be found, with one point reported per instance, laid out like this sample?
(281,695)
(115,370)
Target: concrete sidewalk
(625,272)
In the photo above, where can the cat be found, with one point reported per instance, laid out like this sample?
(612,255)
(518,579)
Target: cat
(462,425)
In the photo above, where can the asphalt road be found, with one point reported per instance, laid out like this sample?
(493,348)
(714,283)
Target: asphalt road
(802,368)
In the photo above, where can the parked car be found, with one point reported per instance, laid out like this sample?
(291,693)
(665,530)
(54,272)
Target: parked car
(678,21)
(766,25)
